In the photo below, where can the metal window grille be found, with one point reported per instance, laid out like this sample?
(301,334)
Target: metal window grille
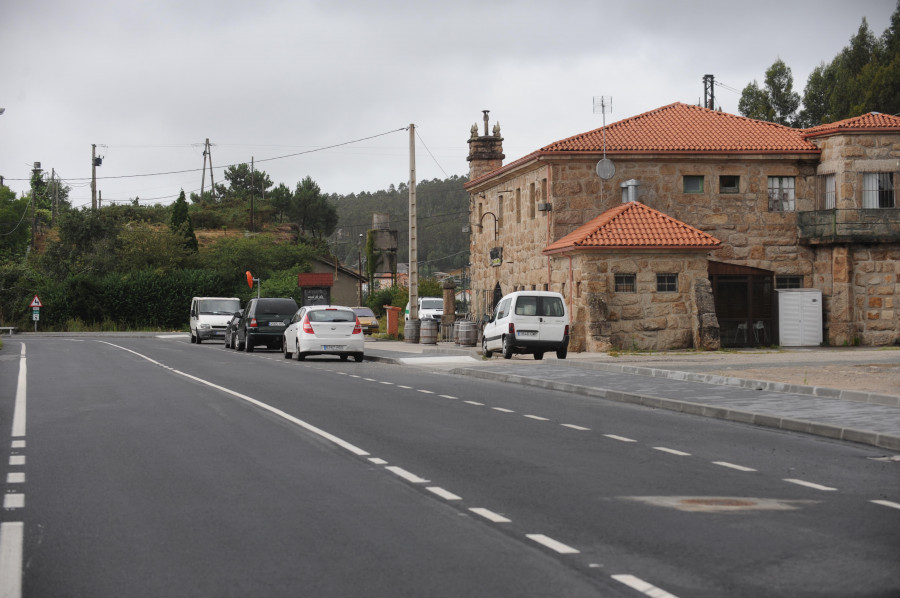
(625,283)
(878,190)
(666,283)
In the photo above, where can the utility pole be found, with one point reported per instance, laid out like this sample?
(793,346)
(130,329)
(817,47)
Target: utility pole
(94,176)
(55,196)
(251,193)
(413,241)
(207,151)
(36,172)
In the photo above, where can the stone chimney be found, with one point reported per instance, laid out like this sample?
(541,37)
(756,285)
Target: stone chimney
(485,151)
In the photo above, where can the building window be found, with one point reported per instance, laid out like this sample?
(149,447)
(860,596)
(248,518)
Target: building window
(788,281)
(827,190)
(531,201)
(729,183)
(625,283)
(666,283)
(693,183)
(781,194)
(878,190)
(518,206)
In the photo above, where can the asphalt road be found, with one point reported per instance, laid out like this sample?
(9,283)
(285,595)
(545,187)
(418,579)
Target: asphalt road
(151,467)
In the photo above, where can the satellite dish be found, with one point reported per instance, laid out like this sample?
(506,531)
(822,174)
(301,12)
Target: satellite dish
(606,169)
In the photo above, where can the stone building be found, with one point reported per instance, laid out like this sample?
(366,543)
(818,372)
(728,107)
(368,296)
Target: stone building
(726,212)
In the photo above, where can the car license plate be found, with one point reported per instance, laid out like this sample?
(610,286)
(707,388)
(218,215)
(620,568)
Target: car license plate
(332,347)
(527,333)
(276,323)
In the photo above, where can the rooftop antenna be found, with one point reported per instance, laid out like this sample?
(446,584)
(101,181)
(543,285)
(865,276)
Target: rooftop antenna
(605,167)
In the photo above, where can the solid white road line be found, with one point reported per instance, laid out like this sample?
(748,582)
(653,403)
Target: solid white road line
(552,544)
(306,426)
(18,425)
(409,477)
(733,466)
(11,537)
(490,515)
(642,586)
(809,484)
(445,494)
(887,503)
(620,438)
(671,451)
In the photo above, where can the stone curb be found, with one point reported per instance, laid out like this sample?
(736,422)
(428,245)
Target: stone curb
(886,441)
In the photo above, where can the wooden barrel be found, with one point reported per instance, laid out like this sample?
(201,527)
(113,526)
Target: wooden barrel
(411,331)
(467,333)
(428,334)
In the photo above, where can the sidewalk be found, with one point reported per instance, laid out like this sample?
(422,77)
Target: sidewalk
(707,384)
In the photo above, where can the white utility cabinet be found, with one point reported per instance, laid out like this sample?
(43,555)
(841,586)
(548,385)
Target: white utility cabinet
(799,317)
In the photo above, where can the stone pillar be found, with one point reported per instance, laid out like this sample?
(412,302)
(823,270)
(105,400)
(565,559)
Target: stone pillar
(449,316)
(706,334)
(841,327)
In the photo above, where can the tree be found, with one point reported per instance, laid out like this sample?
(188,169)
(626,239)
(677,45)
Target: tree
(181,222)
(777,103)
(14,223)
(311,211)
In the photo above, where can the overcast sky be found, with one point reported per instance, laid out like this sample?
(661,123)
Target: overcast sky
(148,82)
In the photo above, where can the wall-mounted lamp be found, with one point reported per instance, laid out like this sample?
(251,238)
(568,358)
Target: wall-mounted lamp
(480,224)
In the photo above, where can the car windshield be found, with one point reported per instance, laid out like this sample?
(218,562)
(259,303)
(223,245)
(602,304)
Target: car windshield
(331,315)
(363,312)
(432,304)
(219,306)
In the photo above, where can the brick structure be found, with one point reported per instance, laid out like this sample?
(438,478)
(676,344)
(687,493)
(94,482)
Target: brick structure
(789,207)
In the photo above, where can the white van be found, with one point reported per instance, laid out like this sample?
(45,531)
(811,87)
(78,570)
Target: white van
(430,308)
(528,322)
(210,316)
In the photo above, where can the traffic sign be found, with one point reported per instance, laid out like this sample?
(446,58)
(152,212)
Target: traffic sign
(36,302)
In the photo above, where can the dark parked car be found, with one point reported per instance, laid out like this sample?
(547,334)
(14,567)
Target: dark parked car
(264,322)
(231,329)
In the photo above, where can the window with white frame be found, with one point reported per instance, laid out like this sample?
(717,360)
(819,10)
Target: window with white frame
(878,190)
(781,194)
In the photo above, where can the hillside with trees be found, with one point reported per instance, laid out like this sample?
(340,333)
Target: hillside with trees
(864,77)
(128,266)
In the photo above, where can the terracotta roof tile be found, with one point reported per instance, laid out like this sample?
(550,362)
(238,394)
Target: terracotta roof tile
(873,121)
(634,225)
(684,128)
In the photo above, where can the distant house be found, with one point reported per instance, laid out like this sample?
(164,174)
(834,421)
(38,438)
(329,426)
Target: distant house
(330,284)
(683,236)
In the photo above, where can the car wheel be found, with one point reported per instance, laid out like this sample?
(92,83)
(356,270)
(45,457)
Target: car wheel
(538,355)
(484,349)
(507,348)
(248,346)
(562,352)
(358,357)
(287,354)
(344,357)
(300,356)
(198,339)
(193,338)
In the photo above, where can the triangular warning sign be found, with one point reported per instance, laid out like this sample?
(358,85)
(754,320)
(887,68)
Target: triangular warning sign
(36,302)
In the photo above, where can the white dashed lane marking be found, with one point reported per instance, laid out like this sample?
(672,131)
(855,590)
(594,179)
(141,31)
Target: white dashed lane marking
(809,484)
(445,494)
(671,451)
(620,438)
(490,515)
(642,586)
(552,544)
(733,466)
(887,503)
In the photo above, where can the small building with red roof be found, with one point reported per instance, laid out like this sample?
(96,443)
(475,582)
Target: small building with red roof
(675,228)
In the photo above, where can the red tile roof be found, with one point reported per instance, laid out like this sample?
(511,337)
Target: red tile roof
(633,225)
(873,121)
(683,128)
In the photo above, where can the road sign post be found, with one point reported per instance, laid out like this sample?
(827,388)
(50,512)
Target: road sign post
(36,306)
